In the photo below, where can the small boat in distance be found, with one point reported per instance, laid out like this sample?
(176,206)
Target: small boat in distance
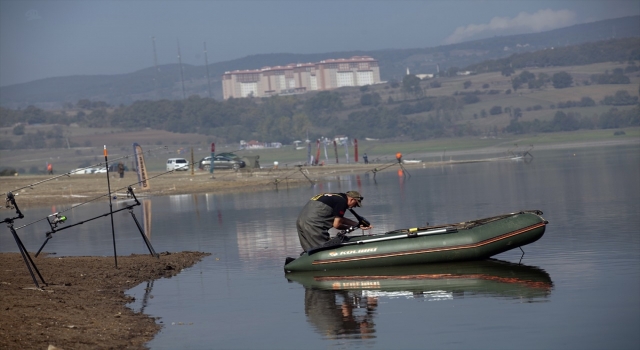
(471,240)
(411,161)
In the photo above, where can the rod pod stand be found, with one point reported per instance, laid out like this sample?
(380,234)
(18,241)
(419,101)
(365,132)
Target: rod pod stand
(31,266)
(140,229)
(303,174)
(404,170)
(53,223)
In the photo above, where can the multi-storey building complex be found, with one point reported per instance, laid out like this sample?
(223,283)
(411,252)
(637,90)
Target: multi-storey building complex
(301,77)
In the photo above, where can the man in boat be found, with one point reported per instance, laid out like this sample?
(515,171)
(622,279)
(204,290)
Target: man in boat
(324,211)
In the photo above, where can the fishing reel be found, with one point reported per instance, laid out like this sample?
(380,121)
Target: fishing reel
(56,219)
(9,201)
(11,204)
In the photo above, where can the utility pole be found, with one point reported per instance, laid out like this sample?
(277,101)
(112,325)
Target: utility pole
(155,65)
(184,95)
(206,64)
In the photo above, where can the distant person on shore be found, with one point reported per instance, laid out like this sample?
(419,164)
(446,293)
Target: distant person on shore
(324,211)
(49,168)
(366,159)
(121,169)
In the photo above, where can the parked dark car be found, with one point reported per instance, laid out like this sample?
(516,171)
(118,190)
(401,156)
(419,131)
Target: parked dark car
(222,162)
(228,155)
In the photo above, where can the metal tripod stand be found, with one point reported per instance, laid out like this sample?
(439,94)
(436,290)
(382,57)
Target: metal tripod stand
(31,266)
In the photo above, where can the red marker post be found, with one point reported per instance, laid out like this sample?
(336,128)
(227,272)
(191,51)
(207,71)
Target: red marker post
(355,146)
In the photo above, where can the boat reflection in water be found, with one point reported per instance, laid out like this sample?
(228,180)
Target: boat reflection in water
(343,303)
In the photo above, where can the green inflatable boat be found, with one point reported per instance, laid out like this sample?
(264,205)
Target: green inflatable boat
(470,240)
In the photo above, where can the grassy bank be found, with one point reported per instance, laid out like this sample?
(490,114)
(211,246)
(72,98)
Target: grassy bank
(421,149)
(65,160)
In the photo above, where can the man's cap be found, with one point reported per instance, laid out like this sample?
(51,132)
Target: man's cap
(355,195)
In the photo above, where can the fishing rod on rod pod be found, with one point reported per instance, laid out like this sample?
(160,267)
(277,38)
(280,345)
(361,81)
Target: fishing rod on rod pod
(75,171)
(56,219)
(96,198)
(290,175)
(398,161)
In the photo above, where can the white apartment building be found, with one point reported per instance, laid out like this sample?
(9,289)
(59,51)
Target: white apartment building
(301,77)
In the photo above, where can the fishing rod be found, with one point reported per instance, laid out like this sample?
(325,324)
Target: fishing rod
(376,170)
(56,219)
(95,198)
(398,161)
(290,175)
(70,172)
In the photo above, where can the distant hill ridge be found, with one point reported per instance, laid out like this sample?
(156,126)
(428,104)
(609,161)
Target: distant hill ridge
(146,84)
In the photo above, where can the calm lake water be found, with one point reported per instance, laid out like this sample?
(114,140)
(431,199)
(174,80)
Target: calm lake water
(576,288)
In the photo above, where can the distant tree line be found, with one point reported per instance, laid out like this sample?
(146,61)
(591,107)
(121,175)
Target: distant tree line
(286,118)
(571,121)
(584,102)
(614,50)
(616,77)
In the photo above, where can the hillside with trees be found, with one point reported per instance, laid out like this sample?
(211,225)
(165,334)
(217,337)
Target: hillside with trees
(532,100)
(615,50)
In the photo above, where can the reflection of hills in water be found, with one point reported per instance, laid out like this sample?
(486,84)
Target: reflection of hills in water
(436,281)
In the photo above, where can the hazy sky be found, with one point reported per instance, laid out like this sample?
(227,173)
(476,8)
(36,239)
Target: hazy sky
(41,39)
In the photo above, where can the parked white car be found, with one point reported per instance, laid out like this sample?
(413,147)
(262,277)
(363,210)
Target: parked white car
(177,164)
(82,171)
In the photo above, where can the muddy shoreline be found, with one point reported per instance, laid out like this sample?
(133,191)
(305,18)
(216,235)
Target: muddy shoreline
(83,303)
